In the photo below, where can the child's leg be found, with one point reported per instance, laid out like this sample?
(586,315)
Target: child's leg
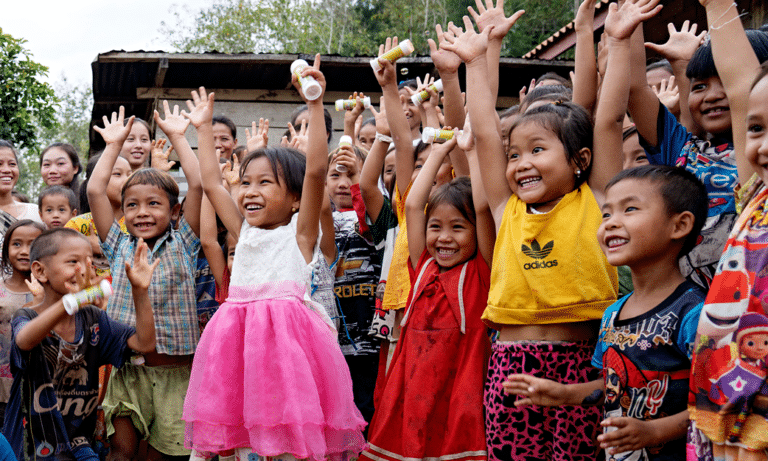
(166,430)
(126,410)
(124,443)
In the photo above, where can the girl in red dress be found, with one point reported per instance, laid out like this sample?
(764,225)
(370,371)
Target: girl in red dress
(432,401)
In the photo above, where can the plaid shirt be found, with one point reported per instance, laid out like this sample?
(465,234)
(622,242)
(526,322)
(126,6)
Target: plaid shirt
(172,291)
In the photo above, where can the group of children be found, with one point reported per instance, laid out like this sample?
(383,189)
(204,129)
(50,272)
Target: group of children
(561,281)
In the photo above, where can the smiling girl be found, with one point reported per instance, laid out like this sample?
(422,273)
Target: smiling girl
(12,209)
(138,145)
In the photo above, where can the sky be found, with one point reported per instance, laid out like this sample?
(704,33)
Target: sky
(67,36)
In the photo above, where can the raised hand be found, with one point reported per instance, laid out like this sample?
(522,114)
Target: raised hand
(382,126)
(585,17)
(231,171)
(115,131)
(174,123)
(525,90)
(466,141)
(489,16)
(668,93)
(446,62)
(159,158)
(622,22)
(387,75)
(602,55)
(260,136)
(200,108)
(681,43)
(140,272)
(37,290)
(534,391)
(314,72)
(299,139)
(346,157)
(467,44)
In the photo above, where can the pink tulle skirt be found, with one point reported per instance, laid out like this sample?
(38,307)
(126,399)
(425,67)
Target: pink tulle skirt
(268,374)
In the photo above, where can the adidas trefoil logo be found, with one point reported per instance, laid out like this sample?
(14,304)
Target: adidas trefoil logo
(535,251)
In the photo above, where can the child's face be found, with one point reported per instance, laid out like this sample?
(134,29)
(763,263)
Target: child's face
(263,198)
(709,105)
(410,109)
(9,170)
(338,185)
(57,168)
(420,160)
(18,247)
(120,173)
(68,267)
(757,129)
(450,238)
(634,154)
(137,146)
(754,346)
(55,211)
(148,212)
(389,169)
(538,171)
(366,136)
(636,226)
(223,140)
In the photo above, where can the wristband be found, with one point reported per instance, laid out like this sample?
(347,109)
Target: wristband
(383,138)
(74,301)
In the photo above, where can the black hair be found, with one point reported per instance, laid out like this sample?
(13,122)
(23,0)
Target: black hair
(85,207)
(510,111)
(226,121)
(326,114)
(554,76)
(48,243)
(760,75)
(288,165)
(240,151)
(681,191)
(702,63)
(5,262)
(9,145)
(19,196)
(458,194)
(661,64)
(368,121)
(142,122)
(410,83)
(571,124)
(420,147)
(550,93)
(71,152)
(58,190)
(154,177)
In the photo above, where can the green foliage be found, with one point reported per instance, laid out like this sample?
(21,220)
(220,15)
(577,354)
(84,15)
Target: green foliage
(541,19)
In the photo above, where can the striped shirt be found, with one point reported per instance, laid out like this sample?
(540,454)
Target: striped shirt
(172,291)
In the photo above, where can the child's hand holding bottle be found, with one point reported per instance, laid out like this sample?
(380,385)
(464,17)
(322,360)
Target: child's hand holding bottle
(387,75)
(314,72)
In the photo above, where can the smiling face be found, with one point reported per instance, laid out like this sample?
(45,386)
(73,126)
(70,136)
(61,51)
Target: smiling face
(754,346)
(18,247)
(223,140)
(538,171)
(56,167)
(338,185)
(450,237)
(410,109)
(137,146)
(636,225)
(9,170)
(634,154)
(709,105)
(67,267)
(55,210)
(757,129)
(148,212)
(263,197)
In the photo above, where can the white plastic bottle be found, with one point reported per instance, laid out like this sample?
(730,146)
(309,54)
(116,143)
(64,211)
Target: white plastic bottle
(404,48)
(343,141)
(309,85)
(433,135)
(422,96)
(349,104)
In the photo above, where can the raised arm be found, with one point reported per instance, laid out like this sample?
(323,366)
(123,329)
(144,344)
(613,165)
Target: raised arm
(217,260)
(201,106)
(374,162)
(114,134)
(737,65)
(398,124)
(174,126)
(447,64)
(471,47)
(585,72)
(607,155)
(308,225)
(140,275)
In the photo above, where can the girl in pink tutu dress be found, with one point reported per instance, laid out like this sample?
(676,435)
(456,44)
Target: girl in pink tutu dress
(269,378)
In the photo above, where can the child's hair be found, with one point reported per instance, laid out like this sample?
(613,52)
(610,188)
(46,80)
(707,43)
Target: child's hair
(8,145)
(572,126)
(19,196)
(360,153)
(239,151)
(69,149)
(510,111)
(226,121)
(48,243)
(410,83)
(368,121)
(326,115)
(5,262)
(58,190)
(702,63)
(154,177)
(458,194)
(681,191)
(554,76)
(141,121)
(549,93)
(85,207)
(661,64)
(421,146)
(288,165)
(760,75)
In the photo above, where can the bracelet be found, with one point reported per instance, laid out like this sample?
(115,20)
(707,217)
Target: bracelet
(714,27)
(383,138)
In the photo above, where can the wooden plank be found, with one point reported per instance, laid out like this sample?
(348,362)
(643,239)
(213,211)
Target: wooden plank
(225,94)
(162,69)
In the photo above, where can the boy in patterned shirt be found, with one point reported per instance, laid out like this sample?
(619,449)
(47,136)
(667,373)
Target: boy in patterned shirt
(144,399)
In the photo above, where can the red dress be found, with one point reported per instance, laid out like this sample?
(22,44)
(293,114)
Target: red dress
(432,401)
